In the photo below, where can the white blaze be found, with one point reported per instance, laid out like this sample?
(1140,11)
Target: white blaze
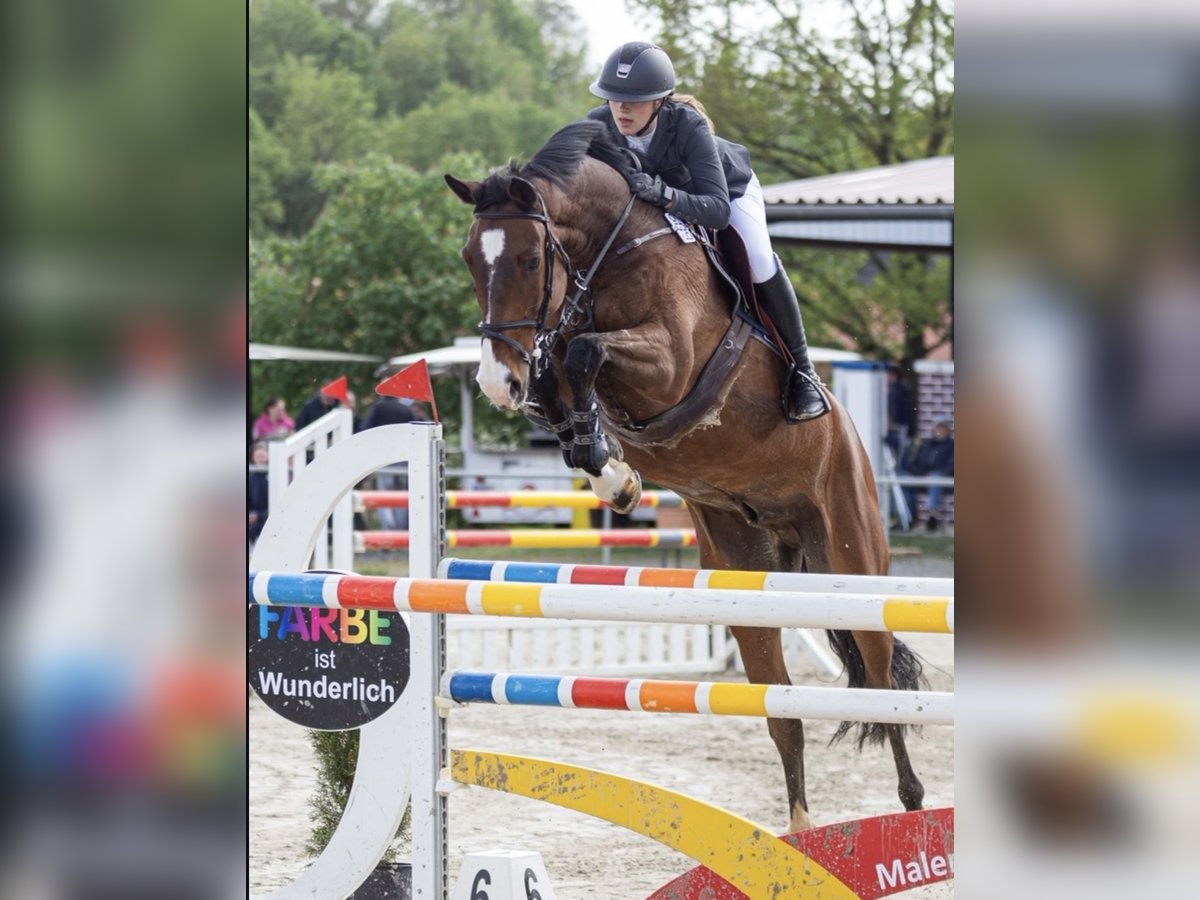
(493,378)
(491,242)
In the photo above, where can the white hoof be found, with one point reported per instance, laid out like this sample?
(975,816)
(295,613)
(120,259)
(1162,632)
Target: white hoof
(801,820)
(618,485)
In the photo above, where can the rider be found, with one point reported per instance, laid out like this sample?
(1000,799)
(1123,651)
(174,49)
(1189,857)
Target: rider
(707,180)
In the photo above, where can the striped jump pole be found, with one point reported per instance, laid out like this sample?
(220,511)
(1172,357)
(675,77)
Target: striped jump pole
(702,697)
(610,603)
(639,576)
(364,500)
(539,538)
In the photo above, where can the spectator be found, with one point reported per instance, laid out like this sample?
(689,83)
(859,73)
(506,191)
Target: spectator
(256,492)
(934,456)
(352,405)
(274,421)
(901,421)
(390,411)
(314,407)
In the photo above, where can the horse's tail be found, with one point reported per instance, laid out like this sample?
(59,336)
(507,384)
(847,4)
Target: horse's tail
(907,675)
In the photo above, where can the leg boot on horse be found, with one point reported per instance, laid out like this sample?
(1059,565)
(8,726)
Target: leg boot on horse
(802,396)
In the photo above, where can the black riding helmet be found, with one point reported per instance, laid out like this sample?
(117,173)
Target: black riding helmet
(635,72)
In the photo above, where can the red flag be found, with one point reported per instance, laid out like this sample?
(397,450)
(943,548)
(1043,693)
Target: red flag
(337,390)
(409,384)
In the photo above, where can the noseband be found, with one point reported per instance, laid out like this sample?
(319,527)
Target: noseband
(577,310)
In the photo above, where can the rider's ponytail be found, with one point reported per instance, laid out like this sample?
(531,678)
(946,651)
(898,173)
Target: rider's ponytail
(697,106)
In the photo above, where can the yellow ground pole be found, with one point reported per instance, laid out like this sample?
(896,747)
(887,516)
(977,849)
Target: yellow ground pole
(747,855)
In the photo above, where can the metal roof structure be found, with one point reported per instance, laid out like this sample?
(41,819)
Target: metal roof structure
(908,206)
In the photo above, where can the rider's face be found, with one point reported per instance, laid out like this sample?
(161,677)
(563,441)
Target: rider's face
(631,117)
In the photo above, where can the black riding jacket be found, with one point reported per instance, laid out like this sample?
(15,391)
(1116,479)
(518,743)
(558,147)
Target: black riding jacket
(706,171)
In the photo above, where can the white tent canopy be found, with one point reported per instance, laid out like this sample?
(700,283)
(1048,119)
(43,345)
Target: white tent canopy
(301,354)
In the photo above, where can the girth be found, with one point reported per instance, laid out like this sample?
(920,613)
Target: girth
(681,418)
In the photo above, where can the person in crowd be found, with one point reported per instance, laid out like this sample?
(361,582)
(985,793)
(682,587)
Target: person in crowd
(705,180)
(256,492)
(901,418)
(320,403)
(352,405)
(933,456)
(274,422)
(390,411)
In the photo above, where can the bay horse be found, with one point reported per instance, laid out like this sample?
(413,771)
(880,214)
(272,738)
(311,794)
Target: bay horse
(597,325)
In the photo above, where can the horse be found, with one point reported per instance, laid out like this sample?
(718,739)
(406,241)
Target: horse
(608,354)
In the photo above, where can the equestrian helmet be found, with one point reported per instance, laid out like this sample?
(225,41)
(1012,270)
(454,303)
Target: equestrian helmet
(635,72)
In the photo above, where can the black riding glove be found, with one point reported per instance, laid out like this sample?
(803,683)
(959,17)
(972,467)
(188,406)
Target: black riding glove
(652,189)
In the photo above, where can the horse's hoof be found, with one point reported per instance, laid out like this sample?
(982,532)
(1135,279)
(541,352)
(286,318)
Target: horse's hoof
(627,498)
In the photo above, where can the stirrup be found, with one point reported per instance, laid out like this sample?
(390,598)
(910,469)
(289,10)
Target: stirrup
(802,385)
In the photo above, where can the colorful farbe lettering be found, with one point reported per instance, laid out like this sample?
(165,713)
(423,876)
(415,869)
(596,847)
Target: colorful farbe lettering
(344,626)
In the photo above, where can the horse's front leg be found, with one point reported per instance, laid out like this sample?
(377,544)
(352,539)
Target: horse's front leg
(545,389)
(612,479)
(584,358)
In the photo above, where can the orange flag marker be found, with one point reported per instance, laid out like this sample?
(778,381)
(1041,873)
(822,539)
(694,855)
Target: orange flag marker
(337,390)
(410,384)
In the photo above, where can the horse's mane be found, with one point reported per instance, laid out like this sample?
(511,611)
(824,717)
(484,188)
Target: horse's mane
(559,160)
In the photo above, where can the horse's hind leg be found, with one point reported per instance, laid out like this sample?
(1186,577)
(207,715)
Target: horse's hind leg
(762,655)
(879,649)
(857,545)
(744,547)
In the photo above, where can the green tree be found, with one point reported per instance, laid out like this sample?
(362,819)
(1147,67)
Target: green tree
(327,117)
(492,125)
(285,29)
(331,80)
(873,86)
(379,273)
(412,61)
(268,166)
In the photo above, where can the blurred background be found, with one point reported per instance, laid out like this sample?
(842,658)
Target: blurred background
(1078,311)
(130,287)
(122,477)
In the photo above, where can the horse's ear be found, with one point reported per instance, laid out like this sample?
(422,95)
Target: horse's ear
(524,194)
(467,191)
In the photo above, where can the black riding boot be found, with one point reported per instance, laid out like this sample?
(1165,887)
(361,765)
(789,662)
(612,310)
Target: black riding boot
(802,397)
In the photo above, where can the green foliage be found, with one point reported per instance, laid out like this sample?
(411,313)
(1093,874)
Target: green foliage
(884,306)
(337,754)
(326,118)
(378,273)
(490,125)
(283,29)
(268,166)
(330,82)
(876,89)
(412,59)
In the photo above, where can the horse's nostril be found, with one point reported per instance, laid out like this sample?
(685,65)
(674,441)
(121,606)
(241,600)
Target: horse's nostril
(515,389)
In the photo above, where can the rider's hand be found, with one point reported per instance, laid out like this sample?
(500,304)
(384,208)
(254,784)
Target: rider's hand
(653,190)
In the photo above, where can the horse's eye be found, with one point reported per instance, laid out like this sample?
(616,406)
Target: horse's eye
(533,263)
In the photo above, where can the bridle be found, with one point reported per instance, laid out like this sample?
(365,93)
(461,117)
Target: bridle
(577,310)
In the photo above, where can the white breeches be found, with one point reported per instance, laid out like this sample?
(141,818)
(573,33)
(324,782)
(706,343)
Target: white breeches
(748,217)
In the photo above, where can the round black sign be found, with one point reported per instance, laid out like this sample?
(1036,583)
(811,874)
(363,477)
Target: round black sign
(326,669)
